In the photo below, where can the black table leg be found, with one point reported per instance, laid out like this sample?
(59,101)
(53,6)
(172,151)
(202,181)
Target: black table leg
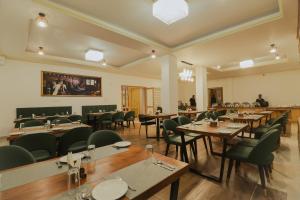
(183,149)
(157,129)
(174,190)
(251,128)
(223,159)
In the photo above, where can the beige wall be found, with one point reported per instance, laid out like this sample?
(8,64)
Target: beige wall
(185,91)
(280,88)
(20,86)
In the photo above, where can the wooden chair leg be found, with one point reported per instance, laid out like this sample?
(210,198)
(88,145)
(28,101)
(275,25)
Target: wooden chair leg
(237,165)
(266,170)
(210,144)
(181,154)
(167,150)
(229,169)
(140,129)
(176,151)
(262,177)
(133,123)
(192,145)
(146,131)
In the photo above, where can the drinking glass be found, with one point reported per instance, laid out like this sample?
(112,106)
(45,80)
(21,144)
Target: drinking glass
(91,166)
(149,148)
(91,151)
(21,126)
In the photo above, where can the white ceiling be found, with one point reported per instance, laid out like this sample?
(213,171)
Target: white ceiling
(217,32)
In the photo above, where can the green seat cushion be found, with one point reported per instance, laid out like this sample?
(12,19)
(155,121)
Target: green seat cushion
(239,152)
(176,139)
(41,155)
(78,146)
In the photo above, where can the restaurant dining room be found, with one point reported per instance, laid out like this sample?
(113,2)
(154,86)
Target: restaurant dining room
(149,99)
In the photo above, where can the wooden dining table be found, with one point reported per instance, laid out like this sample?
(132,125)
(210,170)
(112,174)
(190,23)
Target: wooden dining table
(158,117)
(93,116)
(245,118)
(42,117)
(225,131)
(129,160)
(189,113)
(55,130)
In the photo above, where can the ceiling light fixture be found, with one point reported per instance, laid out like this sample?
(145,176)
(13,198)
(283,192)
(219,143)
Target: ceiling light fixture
(153,55)
(170,11)
(94,55)
(41,20)
(273,48)
(41,51)
(246,64)
(219,67)
(186,75)
(104,63)
(277,57)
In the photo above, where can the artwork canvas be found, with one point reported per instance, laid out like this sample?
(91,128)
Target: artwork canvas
(61,84)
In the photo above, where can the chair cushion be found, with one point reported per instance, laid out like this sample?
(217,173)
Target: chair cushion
(176,139)
(248,142)
(239,152)
(78,146)
(41,155)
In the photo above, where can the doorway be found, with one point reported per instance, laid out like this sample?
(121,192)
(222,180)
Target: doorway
(215,96)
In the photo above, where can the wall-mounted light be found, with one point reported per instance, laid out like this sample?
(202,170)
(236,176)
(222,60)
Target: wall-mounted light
(41,51)
(104,63)
(41,20)
(153,54)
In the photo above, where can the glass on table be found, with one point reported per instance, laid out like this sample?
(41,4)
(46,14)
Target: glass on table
(21,126)
(91,165)
(150,150)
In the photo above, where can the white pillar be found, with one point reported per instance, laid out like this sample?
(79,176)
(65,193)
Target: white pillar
(169,97)
(201,88)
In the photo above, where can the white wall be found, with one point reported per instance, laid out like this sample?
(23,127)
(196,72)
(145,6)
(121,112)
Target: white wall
(185,91)
(20,86)
(280,88)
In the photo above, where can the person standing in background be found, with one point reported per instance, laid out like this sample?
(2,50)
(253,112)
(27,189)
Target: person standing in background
(193,102)
(261,101)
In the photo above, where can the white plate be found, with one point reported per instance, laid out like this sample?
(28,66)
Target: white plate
(110,190)
(76,156)
(122,144)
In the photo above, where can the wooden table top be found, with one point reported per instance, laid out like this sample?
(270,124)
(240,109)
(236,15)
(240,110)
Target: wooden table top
(61,128)
(254,117)
(101,113)
(40,117)
(188,112)
(161,115)
(205,129)
(267,112)
(55,185)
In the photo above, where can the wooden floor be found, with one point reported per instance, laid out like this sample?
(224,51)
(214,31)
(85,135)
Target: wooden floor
(244,185)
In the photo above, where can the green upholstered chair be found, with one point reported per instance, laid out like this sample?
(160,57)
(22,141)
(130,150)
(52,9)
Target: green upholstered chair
(75,118)
(62,121)
(118,119)
(173,137)
(185,120)
(14,156)
(260,155)
(104,138)
(259,131)
(129,117)
(253,142)
(41,145)
(17,124)
(222,112)
(74,140)
(33,123)
(146,121)
(105,121)
(201,116)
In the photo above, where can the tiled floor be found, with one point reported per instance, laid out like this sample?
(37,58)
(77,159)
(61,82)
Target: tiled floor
(243,185)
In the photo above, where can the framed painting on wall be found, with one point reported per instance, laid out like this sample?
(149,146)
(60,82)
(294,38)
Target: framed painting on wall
(61,84)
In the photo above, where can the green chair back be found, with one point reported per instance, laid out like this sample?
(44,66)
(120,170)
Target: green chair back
(104,138)
(265,147)
(75,118)
(73,136)
(129,116)
(105,116)
(169,126)
(33,123)
(201,116)
(184,120)
(118,116)
(52,118)
(38,141)
(14,156)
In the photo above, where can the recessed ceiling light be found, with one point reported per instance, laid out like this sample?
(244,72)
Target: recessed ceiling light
(273,48)
(246,63)
(277,57)
(153,54)
(41,20)
(170,11)
(219,67)
(41,51)
(94,55)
